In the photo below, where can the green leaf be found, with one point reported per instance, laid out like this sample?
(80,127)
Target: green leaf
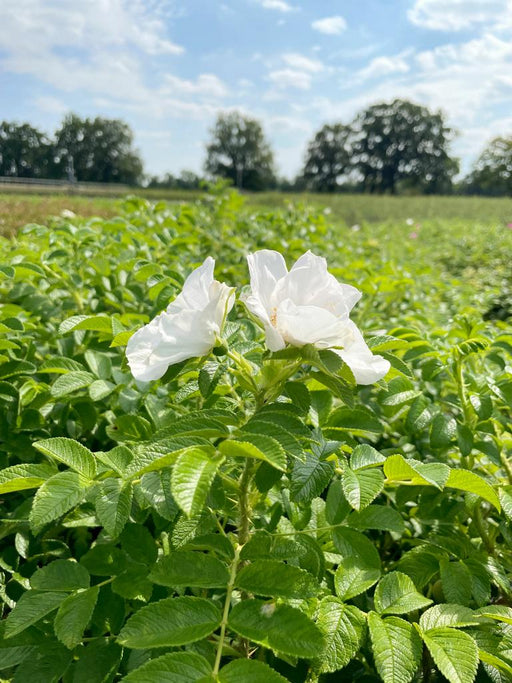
(497,612)
(100,389)
(30,608)
(356,421)
(419,414)
(310,477)
(337,506)
(409,471)
(382,517)
(69,452)
(170,622)
(96,323)
(72,381)
(249,671)
(98,663)
(397,594)
(191,480)
(344,628)
(364,456)
(464,480)
(454,653)
(443,431)
(457,581)
(400,390)
(446,614)
(60,575)
(276,579)
(353,577)
(496,662)
(362,487)
(113,505)
(22,477)
(397,648)
(56,496)
(174,667)
(353,544)
(188,568)
(255,446)
(281,628)
(74,615)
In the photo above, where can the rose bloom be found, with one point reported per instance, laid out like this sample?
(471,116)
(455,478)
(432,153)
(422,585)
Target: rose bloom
(187,329)
(307,305)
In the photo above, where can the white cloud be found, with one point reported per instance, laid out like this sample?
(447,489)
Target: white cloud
(297,61)
(455,15)
(207,85)
(290,78)
(383,66)
(331,26)
(279,5)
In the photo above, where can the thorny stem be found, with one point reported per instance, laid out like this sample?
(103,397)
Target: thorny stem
(227,605)
(244,502)
(479,523)
(466,409)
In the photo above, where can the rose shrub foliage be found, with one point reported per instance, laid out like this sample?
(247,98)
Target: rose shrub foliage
(272,498)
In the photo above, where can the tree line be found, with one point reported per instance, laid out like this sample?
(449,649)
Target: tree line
(390,147)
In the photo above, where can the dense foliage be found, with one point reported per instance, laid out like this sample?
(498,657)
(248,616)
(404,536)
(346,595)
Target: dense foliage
(254,516)
(492,172)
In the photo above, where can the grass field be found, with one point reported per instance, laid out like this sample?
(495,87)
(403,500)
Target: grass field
(18,208)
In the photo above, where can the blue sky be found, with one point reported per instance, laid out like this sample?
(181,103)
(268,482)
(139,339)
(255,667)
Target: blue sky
(169,67)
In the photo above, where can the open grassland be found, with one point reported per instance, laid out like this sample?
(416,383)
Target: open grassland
(22,207)
(257,515)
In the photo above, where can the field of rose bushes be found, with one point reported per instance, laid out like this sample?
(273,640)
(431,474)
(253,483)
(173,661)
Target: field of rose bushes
(253,493)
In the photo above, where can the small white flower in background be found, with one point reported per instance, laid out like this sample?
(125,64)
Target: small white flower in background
(67,213)
(189,328)
(307,305)
(356,228)
(327,210)
(409,221)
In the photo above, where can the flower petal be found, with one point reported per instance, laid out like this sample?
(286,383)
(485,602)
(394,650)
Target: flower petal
(139,351)
(301,325)
(195,290)
(365,367)
(266,268)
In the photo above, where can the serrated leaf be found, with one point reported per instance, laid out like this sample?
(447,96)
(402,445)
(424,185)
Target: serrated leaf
(22,477)
(191,480)
(353,577)
(57,496)
(400,390)
(464,480)
(356,421)
(188,568)
(60,575)
(456,581)
(454,653)
(496,612)
(113,505)
(443,431)
(364,456)
(282,628)
(419,414)
(255,446)
(409,471)
(100,389)
(310,477)
(397,594)
(72,381)
(249,671)
(446,614)
(174,667)
(71,453)
(99,661)
(361,487)
(382,517)
(276,579)
(96,323)
(353,544)
(344,628)
(170,622)
(397,648)
(30,608)
(74,615)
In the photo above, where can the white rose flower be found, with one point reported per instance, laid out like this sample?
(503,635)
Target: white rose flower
(187,329)
(307,305)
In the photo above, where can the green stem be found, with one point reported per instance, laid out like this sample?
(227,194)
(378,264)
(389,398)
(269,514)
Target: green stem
(461,388)
(506,466)
(479,523)
(244,502)
(227,605)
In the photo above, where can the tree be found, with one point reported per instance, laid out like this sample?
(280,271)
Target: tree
(239,151)
(492,172)
(328,158)
(401,144)
(99,149)
(25,152)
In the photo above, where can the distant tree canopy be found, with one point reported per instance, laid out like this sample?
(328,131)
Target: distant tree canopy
(25,152)
(100,149)
(492,171)
(239,151)
(328,158)
(402,142)
(187,180)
